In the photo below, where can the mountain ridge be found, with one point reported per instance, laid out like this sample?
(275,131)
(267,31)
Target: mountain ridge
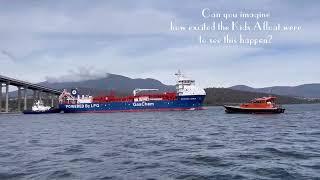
(112,82)
(311,90)
(121,85)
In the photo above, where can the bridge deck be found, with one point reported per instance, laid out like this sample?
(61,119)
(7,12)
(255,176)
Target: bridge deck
(32,86)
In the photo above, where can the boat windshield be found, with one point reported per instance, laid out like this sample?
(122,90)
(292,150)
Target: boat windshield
(258,101)
(263,101)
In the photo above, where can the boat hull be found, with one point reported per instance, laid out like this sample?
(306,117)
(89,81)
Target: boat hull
(50,111)
(193,102)
(237,109)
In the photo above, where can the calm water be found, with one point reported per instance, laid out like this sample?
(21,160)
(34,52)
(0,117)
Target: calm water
(162,145)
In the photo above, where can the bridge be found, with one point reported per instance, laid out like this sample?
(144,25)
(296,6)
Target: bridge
(23,86)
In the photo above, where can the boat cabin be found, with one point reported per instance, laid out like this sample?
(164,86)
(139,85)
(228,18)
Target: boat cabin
(264,102)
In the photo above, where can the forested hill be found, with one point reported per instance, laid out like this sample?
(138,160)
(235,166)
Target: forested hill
(311,91)
(221,96)
(122,85)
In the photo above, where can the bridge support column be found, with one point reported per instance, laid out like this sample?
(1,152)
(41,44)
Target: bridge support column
(40,95)
(0,96)
(34,95)
(7,97)
(25,98)
(52,100)
(19,99)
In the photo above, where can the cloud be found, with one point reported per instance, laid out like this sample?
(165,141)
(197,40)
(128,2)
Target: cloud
(79,74)
(9,55)
(48,39)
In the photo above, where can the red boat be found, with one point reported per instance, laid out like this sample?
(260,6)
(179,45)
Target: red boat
(259,105)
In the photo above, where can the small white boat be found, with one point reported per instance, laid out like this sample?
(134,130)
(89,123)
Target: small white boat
(39,108)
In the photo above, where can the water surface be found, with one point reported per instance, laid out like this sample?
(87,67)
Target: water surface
(205,144)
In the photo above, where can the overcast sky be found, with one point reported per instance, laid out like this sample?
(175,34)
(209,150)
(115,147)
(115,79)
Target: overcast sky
(48,39)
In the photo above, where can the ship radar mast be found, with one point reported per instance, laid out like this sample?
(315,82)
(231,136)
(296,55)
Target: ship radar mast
(178,74)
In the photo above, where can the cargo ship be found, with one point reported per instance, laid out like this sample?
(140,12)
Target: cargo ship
(187,96)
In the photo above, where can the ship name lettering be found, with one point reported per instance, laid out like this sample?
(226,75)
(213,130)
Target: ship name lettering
(73,106)
(188,98)
(139,104)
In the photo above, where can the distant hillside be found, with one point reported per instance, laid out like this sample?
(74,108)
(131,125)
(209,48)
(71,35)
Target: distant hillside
(305,90)
(121,85)
(112,82)
(221,96)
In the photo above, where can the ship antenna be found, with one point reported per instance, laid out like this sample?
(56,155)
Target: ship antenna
(178,74)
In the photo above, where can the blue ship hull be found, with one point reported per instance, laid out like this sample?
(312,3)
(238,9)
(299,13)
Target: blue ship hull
(193,102)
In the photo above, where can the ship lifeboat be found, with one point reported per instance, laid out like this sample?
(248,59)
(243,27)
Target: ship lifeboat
(264,105)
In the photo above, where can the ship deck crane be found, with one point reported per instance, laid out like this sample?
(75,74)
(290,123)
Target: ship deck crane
(135,91)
